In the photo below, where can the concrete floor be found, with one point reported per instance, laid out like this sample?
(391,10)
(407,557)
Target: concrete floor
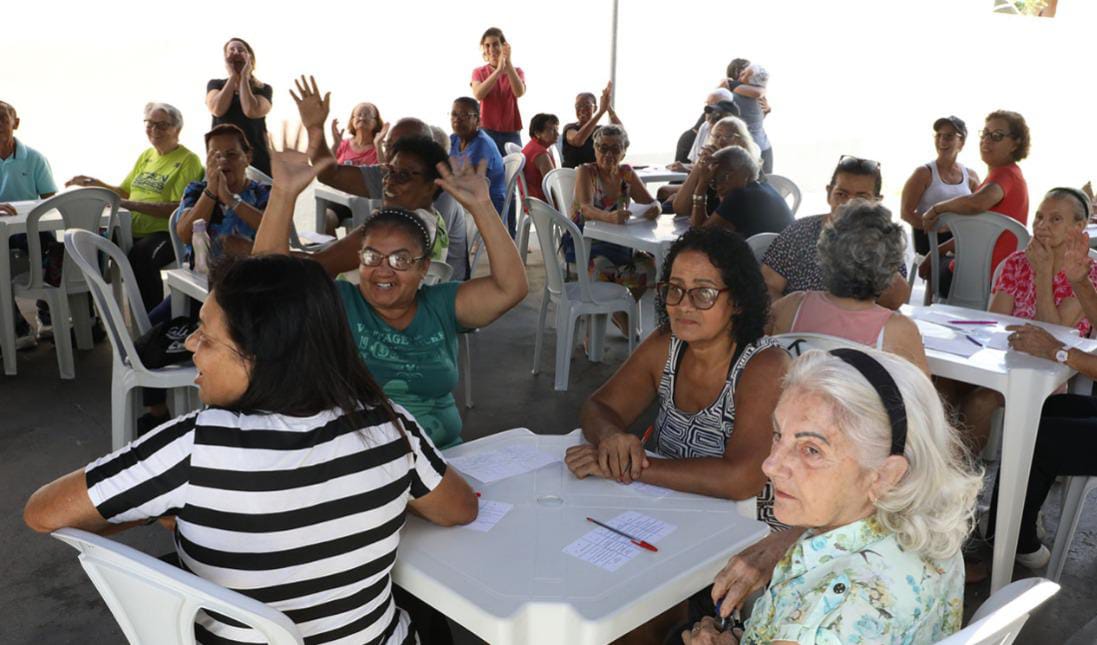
(50,427)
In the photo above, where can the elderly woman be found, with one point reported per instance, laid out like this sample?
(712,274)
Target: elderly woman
(1004,141)
(864,458)
(151,191)
(242,100)
(406,331)
(498,86)
(750,91)
(747,206)
(860,249)
(544,131)
(712,373)
(578,144)
(367,131)
(472,144)
(728,131)
(604,191)
(310,536)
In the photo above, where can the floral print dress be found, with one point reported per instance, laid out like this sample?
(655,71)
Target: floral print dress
(856,585)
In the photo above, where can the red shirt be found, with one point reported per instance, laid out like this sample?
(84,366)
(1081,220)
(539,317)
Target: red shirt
(499,109)
(1018,280)
(1014,203)
(533,175)
(346,156)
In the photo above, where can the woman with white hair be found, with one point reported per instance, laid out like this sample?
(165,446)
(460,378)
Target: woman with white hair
(865,460)
(750,91)
(728,131)
(859,251)
(151,192)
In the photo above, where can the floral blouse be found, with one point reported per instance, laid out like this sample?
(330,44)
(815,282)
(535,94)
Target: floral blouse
(855,585)
(1017,279)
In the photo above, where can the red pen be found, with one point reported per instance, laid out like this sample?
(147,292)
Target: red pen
(635,540)
(647,435)
(973,322)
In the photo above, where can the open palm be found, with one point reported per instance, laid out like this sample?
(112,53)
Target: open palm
(468,185)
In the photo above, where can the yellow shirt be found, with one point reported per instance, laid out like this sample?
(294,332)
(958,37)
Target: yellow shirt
(160,178)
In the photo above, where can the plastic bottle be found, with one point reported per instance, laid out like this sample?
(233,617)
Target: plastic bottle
(199,242)
(623,198)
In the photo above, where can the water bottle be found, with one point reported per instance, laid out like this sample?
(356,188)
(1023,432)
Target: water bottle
(623,196)
(199,242)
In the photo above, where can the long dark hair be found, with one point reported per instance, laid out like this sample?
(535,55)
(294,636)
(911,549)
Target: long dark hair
(285,316)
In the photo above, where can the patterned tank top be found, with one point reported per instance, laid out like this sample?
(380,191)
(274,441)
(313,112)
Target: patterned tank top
(705,433)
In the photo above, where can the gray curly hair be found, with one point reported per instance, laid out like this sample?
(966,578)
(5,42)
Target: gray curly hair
(860,250)
(611,130)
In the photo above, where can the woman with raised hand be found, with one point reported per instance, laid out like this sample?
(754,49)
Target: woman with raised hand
(242,99)
(367,132)
(406,331)
(498,85)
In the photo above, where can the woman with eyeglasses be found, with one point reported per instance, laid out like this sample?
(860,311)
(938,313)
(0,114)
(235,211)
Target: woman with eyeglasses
(498,86)
(151,192)
(406,331)
(1003,142)
(471,144)
(242,99)
(367,130)
(711,370)
(698,188)
(292,483)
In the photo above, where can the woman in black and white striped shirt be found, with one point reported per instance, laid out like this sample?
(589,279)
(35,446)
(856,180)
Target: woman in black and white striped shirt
(292,485)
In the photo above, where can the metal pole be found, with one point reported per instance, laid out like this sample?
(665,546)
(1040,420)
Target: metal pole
(613,56)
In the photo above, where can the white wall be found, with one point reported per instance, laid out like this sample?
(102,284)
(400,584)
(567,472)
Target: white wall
(863,77)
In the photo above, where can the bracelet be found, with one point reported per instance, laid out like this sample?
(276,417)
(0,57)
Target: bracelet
(207,192)
(700,199)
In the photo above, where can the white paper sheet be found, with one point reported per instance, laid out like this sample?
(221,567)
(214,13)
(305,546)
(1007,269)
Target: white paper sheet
(492,465)
(489,516)
(944,339)
(637,210)
(609,551)
(648,490)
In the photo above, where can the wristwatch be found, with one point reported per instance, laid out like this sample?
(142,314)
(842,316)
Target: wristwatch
(236,201)
(1062,354)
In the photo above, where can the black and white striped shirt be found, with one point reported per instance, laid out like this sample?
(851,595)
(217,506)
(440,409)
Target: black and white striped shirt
(301,513)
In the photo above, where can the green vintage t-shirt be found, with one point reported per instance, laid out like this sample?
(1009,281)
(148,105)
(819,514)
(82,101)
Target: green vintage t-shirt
(160,178)
(416,367)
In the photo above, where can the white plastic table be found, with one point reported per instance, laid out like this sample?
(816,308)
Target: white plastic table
(649,236)
(514,583)
(184,284)
(659,173)
(360,207)
(16,224)
(1025,381)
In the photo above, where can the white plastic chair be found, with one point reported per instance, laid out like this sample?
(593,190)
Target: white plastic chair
(975,237)
(584,297)
(255,174)
(786,188)
(559,188)
(1077,489)
(80,209)
(127,371)
(155,602)
(796,343)
(438,272)
(759,244)
(513,164)
(512,148)
(999,620)
(177,244)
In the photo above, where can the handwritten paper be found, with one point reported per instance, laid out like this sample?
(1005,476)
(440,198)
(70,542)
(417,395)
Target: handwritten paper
(492,465)
(489,516)
(609,551)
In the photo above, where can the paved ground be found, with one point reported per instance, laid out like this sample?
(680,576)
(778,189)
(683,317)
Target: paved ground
(50,427)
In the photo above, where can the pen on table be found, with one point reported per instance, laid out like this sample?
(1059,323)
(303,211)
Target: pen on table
(635,540)
(973,340)
(973,322)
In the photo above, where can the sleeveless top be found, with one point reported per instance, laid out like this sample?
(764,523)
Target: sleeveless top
(616,254)
(818,315)
(705,433)
(938,191)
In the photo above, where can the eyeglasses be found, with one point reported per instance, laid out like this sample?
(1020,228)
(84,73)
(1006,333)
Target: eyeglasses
(701,297)
(158,125)
(398,260)
(608,149)
(463,116)
(202,338)
(398,175)
(994,135)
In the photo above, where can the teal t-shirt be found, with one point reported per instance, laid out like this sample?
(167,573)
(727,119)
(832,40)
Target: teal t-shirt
(416,367)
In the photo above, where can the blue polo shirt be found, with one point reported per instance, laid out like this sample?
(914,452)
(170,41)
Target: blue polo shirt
(482,147)
(25,175)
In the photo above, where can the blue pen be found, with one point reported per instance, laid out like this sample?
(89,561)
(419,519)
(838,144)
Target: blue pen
(977,343)
(721,622)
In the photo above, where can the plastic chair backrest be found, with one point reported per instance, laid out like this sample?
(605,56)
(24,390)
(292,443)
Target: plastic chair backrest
(177,244)
(255,174)
(512,148)
(155,602)
(559,187)
(438,272)
(84,247)
(786,188)
(550,225)
(759,244)
(1001,617)
(512,169)
(975,237)
(80,209)
(799,342)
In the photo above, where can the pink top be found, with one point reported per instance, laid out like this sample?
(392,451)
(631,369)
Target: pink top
(534,179)
(817,314)
(346,156)
(499,109)
(1016,279)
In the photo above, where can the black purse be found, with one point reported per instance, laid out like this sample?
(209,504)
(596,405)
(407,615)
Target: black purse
(163,344)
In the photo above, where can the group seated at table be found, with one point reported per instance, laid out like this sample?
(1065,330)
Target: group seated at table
(578,143)
(713,373)
(327,471)
(789,264)
(728,131)
(151,191)
(865,464)
(405,331)
(859,251)
(747,206)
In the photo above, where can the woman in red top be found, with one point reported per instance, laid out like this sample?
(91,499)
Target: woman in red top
(544,130)
(497,86)
(1003,142)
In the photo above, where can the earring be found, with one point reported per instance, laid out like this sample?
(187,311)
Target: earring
(872,498)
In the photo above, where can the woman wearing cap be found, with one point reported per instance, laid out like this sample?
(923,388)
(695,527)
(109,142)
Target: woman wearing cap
(498,86)
(242,100)
(862,456)
(407,331)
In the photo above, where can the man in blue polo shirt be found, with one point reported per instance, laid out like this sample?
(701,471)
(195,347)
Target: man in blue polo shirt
(24,175)
(472,144)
